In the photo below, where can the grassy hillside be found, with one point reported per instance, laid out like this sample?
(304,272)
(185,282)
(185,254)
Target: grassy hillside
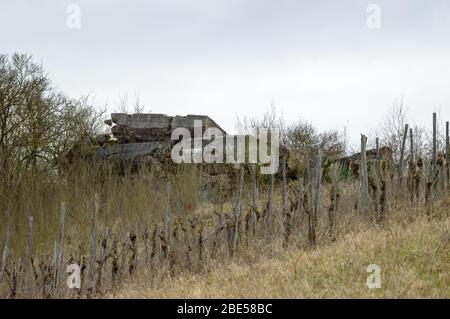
(414,259)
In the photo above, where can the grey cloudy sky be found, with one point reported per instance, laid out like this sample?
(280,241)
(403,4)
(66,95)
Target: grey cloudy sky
(315,60)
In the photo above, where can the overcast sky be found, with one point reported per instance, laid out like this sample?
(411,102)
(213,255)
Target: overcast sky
(315,60)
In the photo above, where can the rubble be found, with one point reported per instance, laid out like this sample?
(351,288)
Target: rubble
(142,134)
(128,151)
(152,127)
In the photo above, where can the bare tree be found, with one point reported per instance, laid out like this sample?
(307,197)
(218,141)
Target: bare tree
(37,123)
(269,119)
(124,105)
(392,128)
(296,136)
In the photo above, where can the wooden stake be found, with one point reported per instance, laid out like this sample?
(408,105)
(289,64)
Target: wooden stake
(411,146)
(285,210)
(59,248)
(237,209)
(115,262)
(447,152)
(313,215)
(103,251)
(300,204)
(402,152)
(363,175)
(253,177)
(27,255)
(200,246)
(401,161)
(5,251)
(167,236)
(92,246)
(146,247)
(378,167)
(270,206)
(434,155)
(124,255)
(378,179)
(132,263)
(283,184)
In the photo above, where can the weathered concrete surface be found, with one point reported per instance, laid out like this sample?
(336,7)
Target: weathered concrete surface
(141,127)
(351,163)
(385,153)
(151,127)
(142,120)
(127,150)
(189,121)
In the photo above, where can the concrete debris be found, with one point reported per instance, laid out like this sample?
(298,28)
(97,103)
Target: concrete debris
(153,127)
(142,134)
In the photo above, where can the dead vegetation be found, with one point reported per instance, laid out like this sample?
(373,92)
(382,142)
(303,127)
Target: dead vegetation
(140,226)
(157,226)
(411,250)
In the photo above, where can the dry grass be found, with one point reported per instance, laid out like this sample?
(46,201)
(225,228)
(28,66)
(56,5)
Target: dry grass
(414,258)
(124,201)
(412,251)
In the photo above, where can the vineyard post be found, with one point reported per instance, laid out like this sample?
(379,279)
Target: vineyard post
(200,246)
(124,254)
(62,216)
(301,195)
(332,210)
(402,159)
(146,248)
(411,146)
(434,155)
(103,251)
(158,253)
(363,175)
(254,199)
(316,204)
(27,255)
(283,184)
(237,208)
(377,145)
(285,210)
(167,237)
(270,207)
(92,244)
(378,177)
(447,152)
(132,263)
(412,164)
(253,177)
(5,252)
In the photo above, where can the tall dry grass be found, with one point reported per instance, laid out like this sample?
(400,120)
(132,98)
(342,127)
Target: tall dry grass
(412,251)
(125,200)
(132,208)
